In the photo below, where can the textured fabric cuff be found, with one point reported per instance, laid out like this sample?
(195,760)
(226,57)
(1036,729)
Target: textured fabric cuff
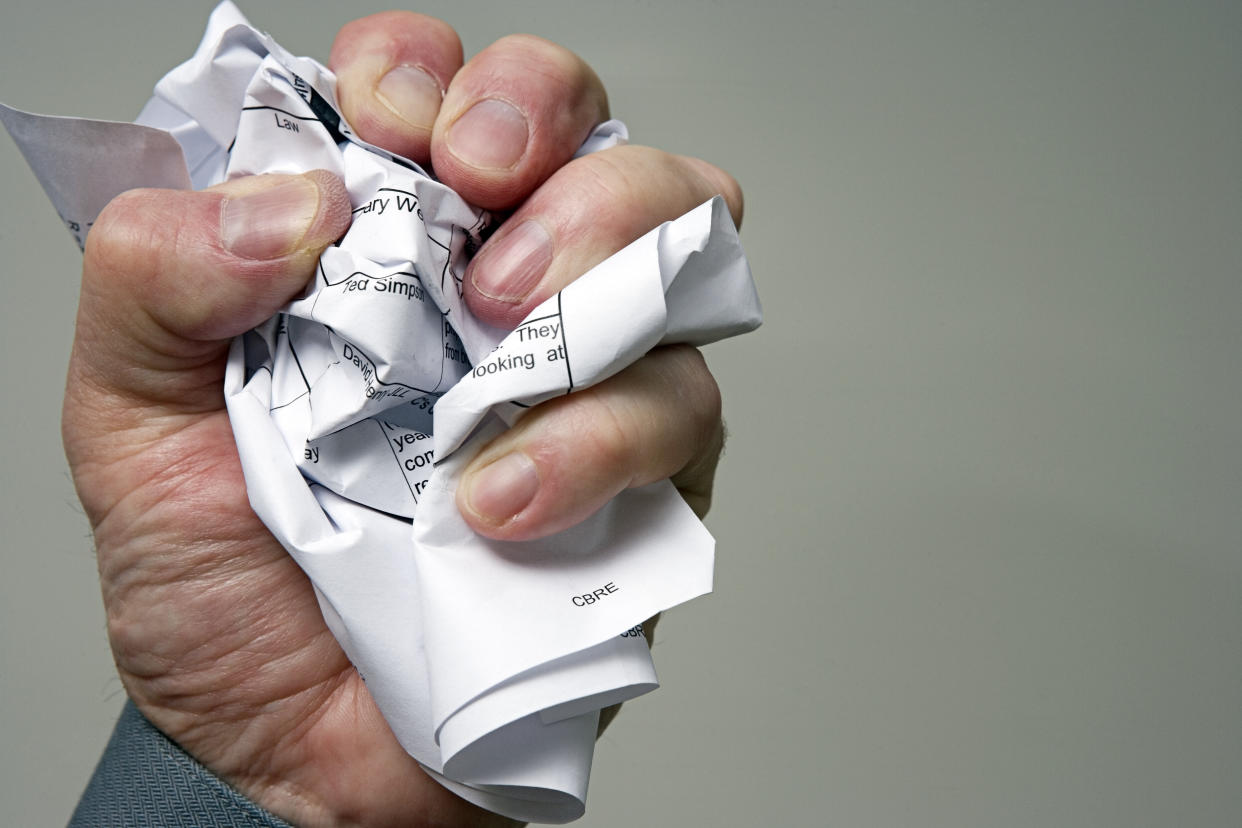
(145,780)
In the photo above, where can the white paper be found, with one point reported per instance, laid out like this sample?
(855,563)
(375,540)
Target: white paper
(357,407)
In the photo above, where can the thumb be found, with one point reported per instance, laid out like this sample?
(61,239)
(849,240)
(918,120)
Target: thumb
(169,276)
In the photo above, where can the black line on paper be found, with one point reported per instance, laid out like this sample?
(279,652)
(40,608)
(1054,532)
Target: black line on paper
(569,373)
(400,470)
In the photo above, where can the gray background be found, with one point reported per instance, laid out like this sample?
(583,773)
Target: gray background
(980,543)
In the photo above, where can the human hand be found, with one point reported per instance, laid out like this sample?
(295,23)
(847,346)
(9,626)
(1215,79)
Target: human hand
(216,632)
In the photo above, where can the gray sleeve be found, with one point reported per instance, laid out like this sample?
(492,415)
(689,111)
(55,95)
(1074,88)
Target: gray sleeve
(145,780)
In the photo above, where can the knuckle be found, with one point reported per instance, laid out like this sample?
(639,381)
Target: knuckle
(391,33)
(627,177)
(642,160)
(598,203)
(608,178)
(703,388)
(718,181)
(602,430)
(694,385)
(551,58)
(621,180)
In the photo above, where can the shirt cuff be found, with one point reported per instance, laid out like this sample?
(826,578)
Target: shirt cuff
(145,779)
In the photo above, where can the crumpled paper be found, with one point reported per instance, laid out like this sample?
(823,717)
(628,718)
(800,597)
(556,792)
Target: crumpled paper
(356,408)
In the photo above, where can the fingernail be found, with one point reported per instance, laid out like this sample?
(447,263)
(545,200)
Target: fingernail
(510,270)
(504,488)
(270,222)
(491,135)
(412,94)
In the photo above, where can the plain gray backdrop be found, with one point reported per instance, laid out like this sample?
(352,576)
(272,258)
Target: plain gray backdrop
(980,519)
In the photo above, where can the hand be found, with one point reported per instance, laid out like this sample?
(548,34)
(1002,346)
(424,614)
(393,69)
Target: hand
(216,632)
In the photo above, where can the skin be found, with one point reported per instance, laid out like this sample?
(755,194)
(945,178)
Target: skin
(215,631)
